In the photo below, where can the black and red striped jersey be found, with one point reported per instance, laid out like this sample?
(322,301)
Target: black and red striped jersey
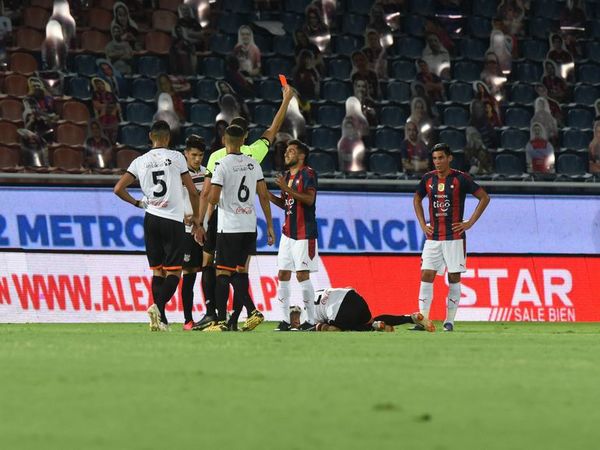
(300,219)
(446,201)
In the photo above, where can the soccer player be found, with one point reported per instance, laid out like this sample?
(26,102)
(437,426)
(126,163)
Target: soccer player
(236,181)
(445,246)
(257,150)
(192,255)
(161,172)
(298,247)
(346,310)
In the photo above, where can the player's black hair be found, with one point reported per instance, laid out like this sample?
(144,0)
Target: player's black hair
(442,147)
(235,131)
(195,141)
(301,146)
(240,122)
(160,127)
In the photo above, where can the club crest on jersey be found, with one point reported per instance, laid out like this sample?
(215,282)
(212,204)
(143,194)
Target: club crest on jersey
(168,162)
(441,187)
(250,166)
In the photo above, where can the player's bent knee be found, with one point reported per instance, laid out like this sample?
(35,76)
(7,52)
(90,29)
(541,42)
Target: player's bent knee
(428,276)
(454,277)
(303,276)
(284,275)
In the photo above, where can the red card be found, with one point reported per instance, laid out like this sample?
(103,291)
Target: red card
(282,80)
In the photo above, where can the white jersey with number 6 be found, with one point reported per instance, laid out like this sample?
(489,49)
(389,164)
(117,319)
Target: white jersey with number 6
(159,173)
(237,174)
(328,302)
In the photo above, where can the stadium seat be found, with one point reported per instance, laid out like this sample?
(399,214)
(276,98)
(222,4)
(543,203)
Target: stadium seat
(70,133)
(16,85)
(355,24)
(206,90)
(472,48)
(359,6)
(238,5)
(169,5)
(106,4)
(11,109)
(466,71)
(576,139)
(143,89)
(480,27)
(85,65)
(570,164)
(546,8)
(283,45)
(203,114)
(580,118)
(22,63)
(270,90)
(255,133)
(100,19)
(508,164)
(291,21)
(274,66)
(138,112)
(125,157)
(8,131)
(388,139)
(330,116)
(206,132)
(526,71)
(409,47)
(79,88)
(456,116)
(522,93)
(588,73)
(230,23)
(382,163)
(35,17)
(325,138)
(593,51)
(485,8)
(398,91)
(454,138)
(263,114)
(346,44)
(404,70)
(211,66)
(164,20)
(586,94)
(458,160)
(151,66)
(9,158)
(534,49)
(222,43)
(335,91)
(539,27)
(94,41)
(460,92)
(67,158)
(74,111)
(414,25)
(393,116)
(514,139)
(339,68)
(422,7)
(28,38)
(323,163)
(134,135)
(517,117)
(157,42)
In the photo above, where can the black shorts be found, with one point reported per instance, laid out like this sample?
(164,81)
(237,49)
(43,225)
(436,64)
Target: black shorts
(210,243)
(165,241)
(233,250)
(354,313)
(192,252)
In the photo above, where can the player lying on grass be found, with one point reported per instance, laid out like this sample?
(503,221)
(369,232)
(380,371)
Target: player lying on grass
(346,310)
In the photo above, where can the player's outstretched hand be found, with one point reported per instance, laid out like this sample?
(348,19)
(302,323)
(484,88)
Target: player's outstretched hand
(427,229)
(288,93)
(280,180)
(460,227)
(270,236)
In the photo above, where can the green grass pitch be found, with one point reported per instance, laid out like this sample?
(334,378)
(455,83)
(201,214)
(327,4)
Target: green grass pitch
(117,386)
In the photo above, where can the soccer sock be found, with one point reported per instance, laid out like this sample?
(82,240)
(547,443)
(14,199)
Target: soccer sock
(167,290)
(209,281)
(393,320)
(452,302)
(221,296)
(425,298)
(283,295)
(242,284)
(308,296)
(157,282)
(238,297)
(187,295)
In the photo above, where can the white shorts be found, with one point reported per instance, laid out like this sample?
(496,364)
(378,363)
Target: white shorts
(297,255)
(439,255)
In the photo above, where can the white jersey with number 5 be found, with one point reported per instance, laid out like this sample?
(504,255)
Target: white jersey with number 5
(328,302)
(159,173)
(237,174)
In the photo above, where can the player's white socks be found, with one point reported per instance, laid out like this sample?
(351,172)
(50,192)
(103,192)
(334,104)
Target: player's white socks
(452,302)
(283,295)
(308,296)
(425,298)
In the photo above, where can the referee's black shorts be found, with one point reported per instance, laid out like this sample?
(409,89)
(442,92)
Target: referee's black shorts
(354,313)
(233,250)
(192,253)
(210,242)
(165,241)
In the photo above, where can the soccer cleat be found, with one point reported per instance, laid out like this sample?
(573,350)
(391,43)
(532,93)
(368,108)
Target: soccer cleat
(448,326)
(154,315)
(417,328)
(283,326)
(307,327)
(163,327)
(188,326)
(380,325)
(232,326)
(204,322)
(420,320)
(216,327)
(254,319)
